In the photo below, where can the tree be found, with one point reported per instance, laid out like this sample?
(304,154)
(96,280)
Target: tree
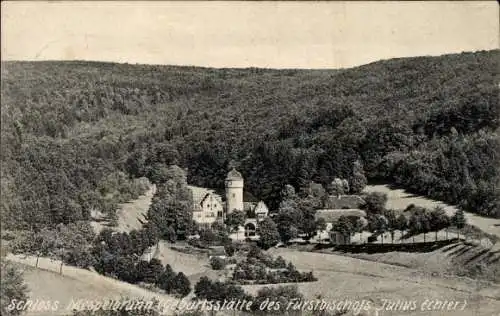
(425,220)
(125,269)
(13,287)
(218,291)
(170,234)
(336,187)
(316,190)
(360,225)
(142,269)
(401,223)
(235,219)
(358,179)
(415,225)
(288,218)
(149,272)
(288,193)
(182,284)
(439,220)
(217,263)
(344,227)
(149,234)
(345,186)
(459,220)
(168,214)
(375,202)
(217,235)
(166,279)
(159,174)
(378,224)
(268,232)
(420,221)
(171,206)
(203,288)
(230,249)
(320,224)
(308,207)
(207,236)
(390,215)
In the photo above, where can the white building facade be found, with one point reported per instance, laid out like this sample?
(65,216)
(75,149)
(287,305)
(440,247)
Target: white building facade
(209,207)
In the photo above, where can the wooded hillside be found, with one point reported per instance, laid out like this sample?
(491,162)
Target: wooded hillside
(75,134)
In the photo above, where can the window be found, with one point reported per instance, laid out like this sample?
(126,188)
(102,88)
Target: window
(234,195)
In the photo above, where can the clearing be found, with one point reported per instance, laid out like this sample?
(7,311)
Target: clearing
(130,214)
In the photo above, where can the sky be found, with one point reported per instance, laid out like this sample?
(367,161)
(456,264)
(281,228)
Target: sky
(332,34)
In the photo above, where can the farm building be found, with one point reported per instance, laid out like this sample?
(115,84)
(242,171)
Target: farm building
(331,216)
(344,202)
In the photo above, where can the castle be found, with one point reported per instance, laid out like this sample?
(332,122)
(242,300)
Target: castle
(209,206)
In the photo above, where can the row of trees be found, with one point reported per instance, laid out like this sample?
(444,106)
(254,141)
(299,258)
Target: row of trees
(414,220)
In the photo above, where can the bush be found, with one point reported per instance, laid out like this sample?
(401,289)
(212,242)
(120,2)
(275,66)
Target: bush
(375,202)
(257,272)
(230,249)
(278,263)
(219,291)
(166,280)
(217,263)
(182,285)
(149,272)
(13,286)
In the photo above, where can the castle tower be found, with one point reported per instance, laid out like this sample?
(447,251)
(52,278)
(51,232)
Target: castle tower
(234,191)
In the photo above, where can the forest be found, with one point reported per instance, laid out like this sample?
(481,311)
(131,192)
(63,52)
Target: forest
(76,136)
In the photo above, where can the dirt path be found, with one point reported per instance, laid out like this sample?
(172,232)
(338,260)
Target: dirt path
(400,199)
(130,214)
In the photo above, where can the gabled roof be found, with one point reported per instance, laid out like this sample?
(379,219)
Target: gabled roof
(344,202)
(249,197)
(199,194)
(234,175)
(217,251)
(331,215)
(261,204)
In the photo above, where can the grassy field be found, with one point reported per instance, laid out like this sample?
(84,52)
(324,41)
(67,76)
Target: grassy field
(194,266)
(342,277)
(45,283)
